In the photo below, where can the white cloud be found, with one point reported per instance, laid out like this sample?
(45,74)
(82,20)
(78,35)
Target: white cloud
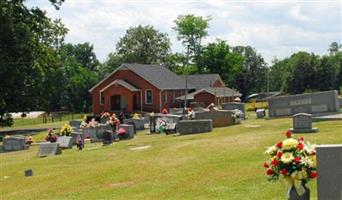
(274,29)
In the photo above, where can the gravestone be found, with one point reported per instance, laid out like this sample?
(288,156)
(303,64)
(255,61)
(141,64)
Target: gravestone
(329,170)
(101,129)
(234,106)
(302,123)
(76,137)
(49,149)
(139,123)
(90,133)
(14,144)
(28,172)
(107,137)
(319,102)
(134,128)
(75,124)
(260,113)
(220,118)
(129,129)
(195,126)
(65,142)
(171,122)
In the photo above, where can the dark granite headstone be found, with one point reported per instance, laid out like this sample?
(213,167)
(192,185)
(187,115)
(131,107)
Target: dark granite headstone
(302,123)
(75,123)
(107,137)
(14,144)
(195,126)
(65,141)
(49,149)
(28,172)
(319,102)
(329,170)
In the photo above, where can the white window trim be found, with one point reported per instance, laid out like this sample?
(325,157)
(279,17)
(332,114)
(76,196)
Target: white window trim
(151,96)
(165,96)
(101,97)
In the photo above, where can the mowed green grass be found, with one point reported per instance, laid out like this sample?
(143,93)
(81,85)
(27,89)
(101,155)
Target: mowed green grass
(223,164)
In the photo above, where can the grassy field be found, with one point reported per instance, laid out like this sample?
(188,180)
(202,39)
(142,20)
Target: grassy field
(223,164)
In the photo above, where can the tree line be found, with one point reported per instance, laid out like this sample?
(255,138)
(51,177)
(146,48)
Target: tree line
(39,71)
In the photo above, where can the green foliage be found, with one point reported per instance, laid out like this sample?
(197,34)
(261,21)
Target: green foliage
(219,58)
(191,30)
(252,78)
(143,44)
(113,61)
(28,39)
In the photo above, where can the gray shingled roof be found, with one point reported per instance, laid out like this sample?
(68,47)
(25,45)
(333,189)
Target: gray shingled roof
(217,91)
(159,76)
(200,81)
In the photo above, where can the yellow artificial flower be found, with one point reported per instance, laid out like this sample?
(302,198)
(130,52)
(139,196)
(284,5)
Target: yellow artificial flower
(290,144)
(313,163)
(287,157)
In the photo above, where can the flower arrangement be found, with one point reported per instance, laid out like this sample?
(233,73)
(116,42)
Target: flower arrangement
(66,130)
(113,121)
(105,115)
(136,116)
(292,159)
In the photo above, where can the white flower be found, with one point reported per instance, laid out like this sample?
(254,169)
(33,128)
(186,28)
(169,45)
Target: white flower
(287,157)
(271,150)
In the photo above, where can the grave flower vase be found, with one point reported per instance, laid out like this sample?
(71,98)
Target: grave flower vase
(299,194)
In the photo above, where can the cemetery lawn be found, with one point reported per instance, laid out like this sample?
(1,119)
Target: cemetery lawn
(223,164)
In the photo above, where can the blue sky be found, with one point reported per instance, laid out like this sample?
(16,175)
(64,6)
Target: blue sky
(273,28)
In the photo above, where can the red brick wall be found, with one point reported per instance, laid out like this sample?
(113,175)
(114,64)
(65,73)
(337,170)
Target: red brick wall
(133,79)
(170,103)
(204,97)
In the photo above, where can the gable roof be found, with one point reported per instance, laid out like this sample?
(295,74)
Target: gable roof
(123,84)
(216,91)
(200,81)
(157,75)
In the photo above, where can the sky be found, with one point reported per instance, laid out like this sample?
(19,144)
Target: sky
(276,29)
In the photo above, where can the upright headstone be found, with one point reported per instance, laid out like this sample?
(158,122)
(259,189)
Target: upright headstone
(90,132)
(49,149)
(260,113)
(139,123)
(65,142)
(14,144)
(235,105)
(171,122)
(76,137)
(302,123)
(319,102)
(107,137)
(101,129)
(129,129)
(75,123)
(329,170)
(195,126)
(220,118)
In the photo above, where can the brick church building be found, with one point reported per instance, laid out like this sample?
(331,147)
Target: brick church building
(141,87)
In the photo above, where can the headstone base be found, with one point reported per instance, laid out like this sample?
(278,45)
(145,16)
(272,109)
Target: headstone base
(312,130)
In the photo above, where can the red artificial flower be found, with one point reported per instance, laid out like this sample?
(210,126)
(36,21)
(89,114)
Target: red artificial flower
(275,162)
(313,174)
(269,172)
(284,171)
(296,159)
(301,139)
(266,165)
(300,146)
(288,134)
(280,145)
(279,154)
